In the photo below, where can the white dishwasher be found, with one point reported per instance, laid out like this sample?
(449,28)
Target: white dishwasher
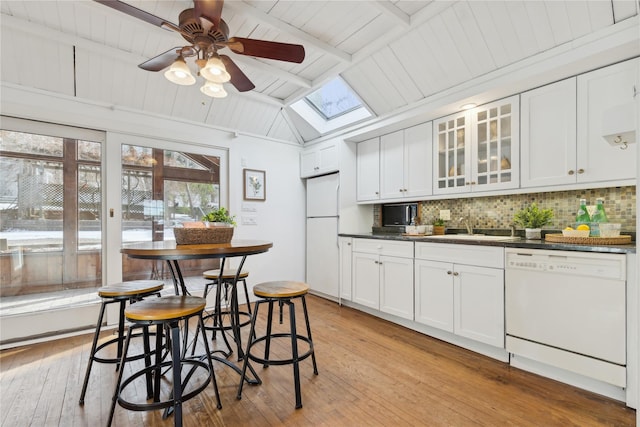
(568,310)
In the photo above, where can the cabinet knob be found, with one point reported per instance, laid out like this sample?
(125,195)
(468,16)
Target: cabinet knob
(401,190)
(377,193)
(571,172)
(456,274)
(580,171)
(405,190)
(449,273)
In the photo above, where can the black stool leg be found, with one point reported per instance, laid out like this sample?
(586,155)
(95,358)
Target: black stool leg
(123,303)
(93,351)
(306,320)
(267,344)
(294,351)
(246,354)
(208,353)
(116,393)
(177,377)
(147,360)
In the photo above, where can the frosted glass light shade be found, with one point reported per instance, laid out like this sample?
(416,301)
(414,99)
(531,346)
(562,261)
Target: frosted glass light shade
(214,90)
(179,73)
(215,71)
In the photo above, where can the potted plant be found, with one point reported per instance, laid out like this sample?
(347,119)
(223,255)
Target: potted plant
(533,219)
(438,226)
(220,217)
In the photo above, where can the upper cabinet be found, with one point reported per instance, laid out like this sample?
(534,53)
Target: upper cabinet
(477,150)
(563,144)
(405,159)
(549,135)
(600,94)
(368,170)
(319,160)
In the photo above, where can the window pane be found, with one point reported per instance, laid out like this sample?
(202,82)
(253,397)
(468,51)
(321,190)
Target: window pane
(89,208)
(88,150)
(137,156)
(19,142)
(179,160)
(333,99)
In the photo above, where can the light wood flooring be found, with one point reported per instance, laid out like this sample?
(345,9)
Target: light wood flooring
(371,373)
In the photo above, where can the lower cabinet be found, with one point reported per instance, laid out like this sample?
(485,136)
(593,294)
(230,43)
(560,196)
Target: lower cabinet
(467,300)
(345,244)
(383,282)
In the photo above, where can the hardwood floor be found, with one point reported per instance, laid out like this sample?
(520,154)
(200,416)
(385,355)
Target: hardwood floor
(371,373)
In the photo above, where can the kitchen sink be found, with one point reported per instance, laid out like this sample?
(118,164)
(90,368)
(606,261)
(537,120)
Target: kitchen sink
(473,237)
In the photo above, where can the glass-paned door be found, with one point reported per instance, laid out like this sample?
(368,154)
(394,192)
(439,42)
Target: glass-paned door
(160,190)
(50,221)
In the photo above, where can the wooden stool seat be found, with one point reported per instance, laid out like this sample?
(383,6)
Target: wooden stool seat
(280,289)
(226,274)
(129,289)
(166,308)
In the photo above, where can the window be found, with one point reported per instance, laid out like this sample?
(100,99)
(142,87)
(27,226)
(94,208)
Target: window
(331,107)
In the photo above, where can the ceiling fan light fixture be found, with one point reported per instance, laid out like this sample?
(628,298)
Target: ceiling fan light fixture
(215,71)
(214,90)
(179,73)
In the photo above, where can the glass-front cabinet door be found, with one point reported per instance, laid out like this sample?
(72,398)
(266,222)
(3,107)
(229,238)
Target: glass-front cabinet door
(478,150)
(452,151)
(495,145)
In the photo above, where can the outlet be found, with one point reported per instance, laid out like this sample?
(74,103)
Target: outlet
(445,214)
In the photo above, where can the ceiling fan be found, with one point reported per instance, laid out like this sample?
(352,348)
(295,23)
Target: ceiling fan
(206,32)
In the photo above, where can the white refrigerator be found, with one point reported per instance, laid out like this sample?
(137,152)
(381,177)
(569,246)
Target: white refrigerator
(322,235)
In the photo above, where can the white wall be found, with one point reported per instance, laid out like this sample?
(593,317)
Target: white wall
(280,218)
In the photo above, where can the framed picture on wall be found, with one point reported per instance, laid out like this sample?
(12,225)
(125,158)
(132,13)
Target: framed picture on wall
(255,184)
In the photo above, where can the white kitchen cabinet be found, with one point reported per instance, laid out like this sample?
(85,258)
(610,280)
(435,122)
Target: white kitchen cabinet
(345,267)
(368,170)
(383,276)
(319,160)
(460,289)
(598,92)
(405,160)
(478,150)
(548,124)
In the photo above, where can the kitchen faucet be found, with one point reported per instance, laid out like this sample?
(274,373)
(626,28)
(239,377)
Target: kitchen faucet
(467,224)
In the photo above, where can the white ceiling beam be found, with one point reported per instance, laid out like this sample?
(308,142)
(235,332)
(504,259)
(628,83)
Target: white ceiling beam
(417,19)
(393,12)
(266,19)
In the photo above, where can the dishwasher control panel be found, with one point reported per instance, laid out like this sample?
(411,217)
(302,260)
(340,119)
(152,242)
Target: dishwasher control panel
(563,262)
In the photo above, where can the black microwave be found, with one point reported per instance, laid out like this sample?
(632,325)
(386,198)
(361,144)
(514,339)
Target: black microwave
(399,214)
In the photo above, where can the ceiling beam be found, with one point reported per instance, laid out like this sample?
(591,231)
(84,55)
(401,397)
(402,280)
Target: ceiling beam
(266,19)
(270,69)
(392,11)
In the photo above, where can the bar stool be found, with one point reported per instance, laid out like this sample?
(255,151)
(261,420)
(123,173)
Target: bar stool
(282,292)
(227,283)
(166,312)
(131,291)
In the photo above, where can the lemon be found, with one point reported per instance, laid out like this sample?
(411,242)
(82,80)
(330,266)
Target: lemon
(583,227)
(568,228)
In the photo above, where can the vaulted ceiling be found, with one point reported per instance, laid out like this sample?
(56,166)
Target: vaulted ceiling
(394,54)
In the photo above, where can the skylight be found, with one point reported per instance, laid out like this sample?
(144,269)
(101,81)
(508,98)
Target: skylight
(333,99)
(331,107)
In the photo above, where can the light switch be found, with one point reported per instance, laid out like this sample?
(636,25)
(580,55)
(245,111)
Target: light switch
(249,220)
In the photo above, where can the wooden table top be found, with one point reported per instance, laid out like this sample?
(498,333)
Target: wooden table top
(168,250)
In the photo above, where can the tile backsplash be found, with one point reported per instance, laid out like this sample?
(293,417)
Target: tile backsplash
(498,211)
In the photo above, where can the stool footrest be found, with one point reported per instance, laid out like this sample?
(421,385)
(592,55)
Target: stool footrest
(281,361)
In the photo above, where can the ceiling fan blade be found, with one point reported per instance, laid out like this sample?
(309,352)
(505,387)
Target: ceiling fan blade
(209,9)
(267,49)
(161,61)
(139,13)
(238,78)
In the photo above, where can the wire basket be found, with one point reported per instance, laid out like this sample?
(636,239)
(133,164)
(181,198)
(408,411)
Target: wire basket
(199,236)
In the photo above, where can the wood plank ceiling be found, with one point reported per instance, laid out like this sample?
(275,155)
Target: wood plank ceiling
(392,53)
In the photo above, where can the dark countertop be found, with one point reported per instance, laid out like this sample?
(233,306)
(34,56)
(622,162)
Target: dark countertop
(519,242)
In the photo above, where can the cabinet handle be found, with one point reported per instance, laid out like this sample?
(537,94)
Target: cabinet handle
(571,172)
(580,171)
(635,91)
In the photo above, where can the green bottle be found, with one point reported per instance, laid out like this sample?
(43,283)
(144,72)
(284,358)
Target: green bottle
(582,217)
(598,216)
